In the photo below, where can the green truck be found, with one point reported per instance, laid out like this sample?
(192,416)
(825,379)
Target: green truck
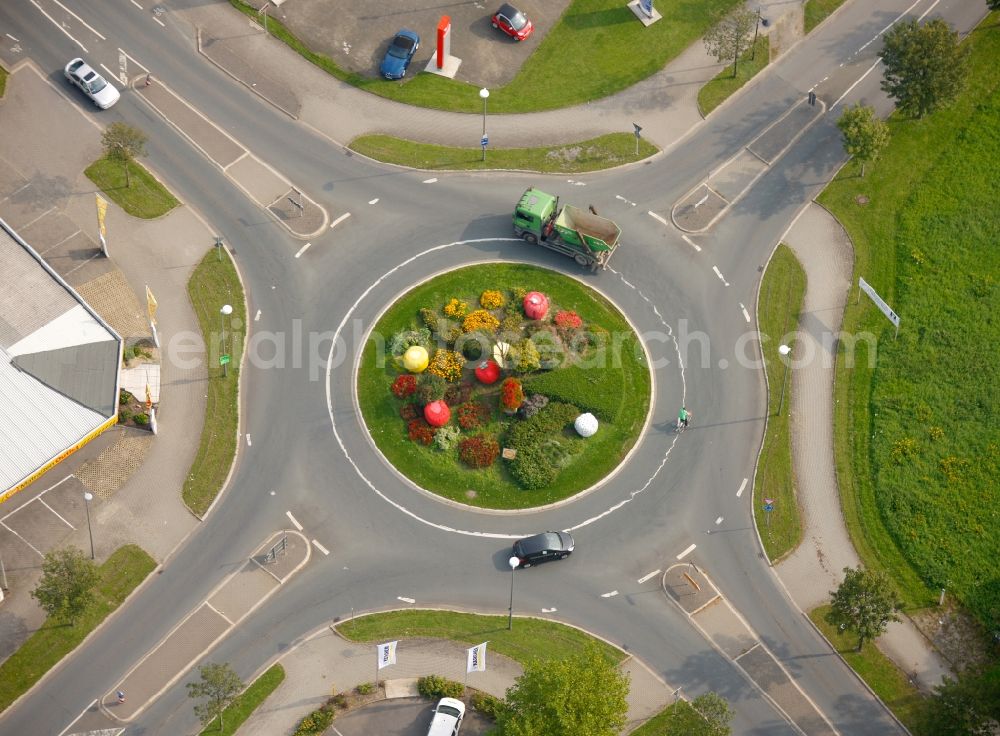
(585,236)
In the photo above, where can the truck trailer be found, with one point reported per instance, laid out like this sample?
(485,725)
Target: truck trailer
(585,236)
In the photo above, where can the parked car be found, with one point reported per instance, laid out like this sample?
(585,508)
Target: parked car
(513,22)
(543,547)
(399,54)
(97,88)
(447,718)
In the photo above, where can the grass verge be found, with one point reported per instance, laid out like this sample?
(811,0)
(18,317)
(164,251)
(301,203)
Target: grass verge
(240,709)
(146,198)
(781,291)
(530,638)
(677,719)
(3,81)
(595,154)
(816,11)
(718,90)
(213,284)
(891,684)
(916,445)
(558,74)
(118,576)
(613,383)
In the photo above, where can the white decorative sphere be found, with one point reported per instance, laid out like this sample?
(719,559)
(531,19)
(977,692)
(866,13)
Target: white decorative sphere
(586,425)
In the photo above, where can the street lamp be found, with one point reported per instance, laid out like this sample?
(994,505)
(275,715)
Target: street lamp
(513,562)
(484,93)
(784,350)
(87,498)
(225,312)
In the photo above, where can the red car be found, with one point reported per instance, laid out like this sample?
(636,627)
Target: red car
(513,22)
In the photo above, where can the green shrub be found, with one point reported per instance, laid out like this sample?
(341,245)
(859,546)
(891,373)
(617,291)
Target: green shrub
(528,359)
(590,389)
(142,419)
(430,319)
(446,437)
(532,468)
(488,705)
(317,721)
(435,686)
(405,339)
(431,388)
(365,688)
(123,416)
(123,396)
(536,464)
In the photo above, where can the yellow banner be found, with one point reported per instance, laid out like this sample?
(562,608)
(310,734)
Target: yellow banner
(102,210)
(151,306)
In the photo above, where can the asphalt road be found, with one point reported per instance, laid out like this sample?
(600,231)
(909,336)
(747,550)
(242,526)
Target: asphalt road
(401,542)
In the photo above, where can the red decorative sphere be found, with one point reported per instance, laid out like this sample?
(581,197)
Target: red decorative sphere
(437,413)
(487,372)
(536,305)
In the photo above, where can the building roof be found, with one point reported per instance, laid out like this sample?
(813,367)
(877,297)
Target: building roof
(59,364)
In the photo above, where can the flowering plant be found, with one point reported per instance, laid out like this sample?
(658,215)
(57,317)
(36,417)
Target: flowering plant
(472,415)
(456,308)
(570,320)
(420,431)
(491,299)
(447,364)
(404,385)
(511,394)
(480,320)
(409,412)
(479,451)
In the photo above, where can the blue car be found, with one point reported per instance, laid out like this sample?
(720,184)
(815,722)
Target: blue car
(399,54)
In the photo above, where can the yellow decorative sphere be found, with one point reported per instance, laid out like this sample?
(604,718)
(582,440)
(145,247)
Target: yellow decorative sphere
(415,359)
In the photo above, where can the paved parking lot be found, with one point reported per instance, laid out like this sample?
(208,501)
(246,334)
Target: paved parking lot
(400,717)
(355,33)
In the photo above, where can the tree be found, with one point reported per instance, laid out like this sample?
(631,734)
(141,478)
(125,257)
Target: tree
(993,4)
(968,706)
(220,685)
(582,695)
(67,584)
(864,134)
(925,66)
(730,37)
(123,142)
(865,603)
(716,712)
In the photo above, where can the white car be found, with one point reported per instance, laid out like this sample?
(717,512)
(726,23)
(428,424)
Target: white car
(447,718)
(93,84)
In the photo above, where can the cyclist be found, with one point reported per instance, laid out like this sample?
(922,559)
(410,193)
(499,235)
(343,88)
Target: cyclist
(682,418)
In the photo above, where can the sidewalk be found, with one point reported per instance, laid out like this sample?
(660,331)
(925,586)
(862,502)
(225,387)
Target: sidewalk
(816,567)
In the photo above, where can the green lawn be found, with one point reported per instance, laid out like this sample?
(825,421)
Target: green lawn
(119,575)
(530,638)
(242,708)
(617,394)
(781,294)
(889,682)
(146,197)
(590,53)
(604,152)
(677,719)
(213,284)
(3,81)
(816,11)
(917,444)
(717,91)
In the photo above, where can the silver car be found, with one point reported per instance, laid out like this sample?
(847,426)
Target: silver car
(93,84)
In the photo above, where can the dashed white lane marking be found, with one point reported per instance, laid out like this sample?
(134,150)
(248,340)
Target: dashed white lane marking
(320,547)
(59,26)
(742,486)
(686,552)
(430,181)
(256,317)
(136,4)
(629,202)
(657,217)
(293,520)
(249,442)
(339,220)
(612,594)
(85,23)
(718,521)
(15,40)
(406,600)
(549,610)
(691,243)
(644,578)
(303,249)
(719,274)
(373,201)
(159,21)
(746,314)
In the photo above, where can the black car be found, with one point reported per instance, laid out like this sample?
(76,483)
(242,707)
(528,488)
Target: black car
(543,547)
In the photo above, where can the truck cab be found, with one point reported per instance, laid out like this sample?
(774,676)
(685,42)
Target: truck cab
(534,214)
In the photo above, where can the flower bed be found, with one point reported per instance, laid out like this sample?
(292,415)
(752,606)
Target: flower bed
(528,410)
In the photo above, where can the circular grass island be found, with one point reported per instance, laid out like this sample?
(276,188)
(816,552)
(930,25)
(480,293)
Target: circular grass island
(474,385)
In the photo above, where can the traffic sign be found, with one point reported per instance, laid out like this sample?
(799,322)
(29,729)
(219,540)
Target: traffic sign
(485,141)
(769,504)
(224,359)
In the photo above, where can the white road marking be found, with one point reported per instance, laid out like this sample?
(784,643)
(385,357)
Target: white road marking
(136,4)
(339,220)
(373,201)
(924,14)
(303,249)
(549,610)
(293,520)
(406,600)
(612,594)
(15,40)
(256,317)
(686,552)
(86,25)
(320,547)
(870,69)
(746,314)
(742,486)
(159,21)
(691,243)
(718,521)
(644,578)
(430,181)
(42,501)
(701,201)
(110,73)
(249,443)
(719,274)
(141,66)
(59,26)
(656,217)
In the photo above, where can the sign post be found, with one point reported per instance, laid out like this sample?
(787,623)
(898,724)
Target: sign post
(484,141)
(879,302)
(768,508)
(638,130)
